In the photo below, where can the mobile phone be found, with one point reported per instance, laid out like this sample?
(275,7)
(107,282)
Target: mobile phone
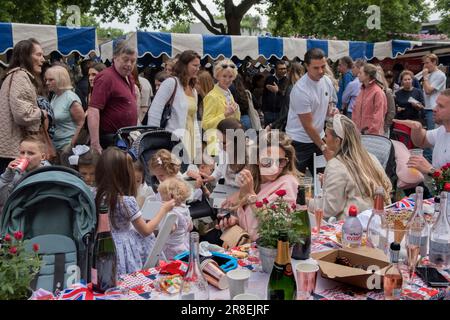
(432,276)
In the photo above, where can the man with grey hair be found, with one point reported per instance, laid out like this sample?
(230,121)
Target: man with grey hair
(113,102)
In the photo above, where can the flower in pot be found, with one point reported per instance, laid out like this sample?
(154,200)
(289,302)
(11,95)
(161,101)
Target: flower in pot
(441,177)
(17,267)
(273,217)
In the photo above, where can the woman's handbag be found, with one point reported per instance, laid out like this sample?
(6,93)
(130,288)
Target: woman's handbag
(167,111)
(234,236)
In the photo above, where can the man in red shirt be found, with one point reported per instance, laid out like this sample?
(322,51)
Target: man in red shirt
(113,102)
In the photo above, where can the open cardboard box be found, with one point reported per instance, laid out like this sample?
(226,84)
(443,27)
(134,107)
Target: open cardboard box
(357,256)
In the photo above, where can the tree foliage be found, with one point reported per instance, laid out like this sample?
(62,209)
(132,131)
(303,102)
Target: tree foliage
(159,13)
(345,19)
(443,6)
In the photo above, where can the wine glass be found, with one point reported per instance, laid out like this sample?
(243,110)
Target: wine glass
(318,210)
(413,254)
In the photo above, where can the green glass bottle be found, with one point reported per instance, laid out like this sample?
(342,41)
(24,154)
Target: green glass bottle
(282,284)
(302,248)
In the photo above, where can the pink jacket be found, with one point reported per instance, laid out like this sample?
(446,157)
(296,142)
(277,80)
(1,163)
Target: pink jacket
(370,109)
(248,220)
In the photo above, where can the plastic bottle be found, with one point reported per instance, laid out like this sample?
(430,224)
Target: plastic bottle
(352,230)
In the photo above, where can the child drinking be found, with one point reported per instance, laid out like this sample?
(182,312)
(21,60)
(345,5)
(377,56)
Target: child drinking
(178,190)
(32,154)
(133,236)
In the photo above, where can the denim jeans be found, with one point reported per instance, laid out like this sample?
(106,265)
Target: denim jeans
(245,120)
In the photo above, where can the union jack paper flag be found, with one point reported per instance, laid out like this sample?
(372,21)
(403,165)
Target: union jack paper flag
(83,292)
(405,203)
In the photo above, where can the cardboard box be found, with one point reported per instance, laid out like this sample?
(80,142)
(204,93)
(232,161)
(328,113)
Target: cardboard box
(357,256)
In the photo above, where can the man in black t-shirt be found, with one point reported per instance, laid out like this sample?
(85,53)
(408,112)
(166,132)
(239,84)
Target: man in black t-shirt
(274,93)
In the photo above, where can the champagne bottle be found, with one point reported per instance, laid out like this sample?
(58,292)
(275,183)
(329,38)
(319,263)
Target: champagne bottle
(282,284)
(103,272)
(302,248)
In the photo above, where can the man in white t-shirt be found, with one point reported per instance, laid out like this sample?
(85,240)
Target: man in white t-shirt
(439,138)
(308,108)
(434,82)
(146,94)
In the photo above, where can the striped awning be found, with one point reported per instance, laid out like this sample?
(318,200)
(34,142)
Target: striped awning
(64,40)
(171,44)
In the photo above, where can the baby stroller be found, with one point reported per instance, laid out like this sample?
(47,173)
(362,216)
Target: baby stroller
(150,140)
(53,207)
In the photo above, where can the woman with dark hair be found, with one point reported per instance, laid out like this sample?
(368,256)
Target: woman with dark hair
(19,110)
(184,106)
(95,69)
(242,99)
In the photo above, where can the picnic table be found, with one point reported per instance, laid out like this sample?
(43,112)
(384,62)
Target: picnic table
(141,285)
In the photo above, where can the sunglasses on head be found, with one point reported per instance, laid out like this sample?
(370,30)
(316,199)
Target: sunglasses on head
(224,66)
(268,162)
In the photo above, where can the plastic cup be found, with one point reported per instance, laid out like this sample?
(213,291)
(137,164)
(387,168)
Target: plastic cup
(415,152)
(238,281)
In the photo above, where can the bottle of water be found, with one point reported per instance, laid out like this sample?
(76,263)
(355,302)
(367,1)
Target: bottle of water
(440,237)
(352,230)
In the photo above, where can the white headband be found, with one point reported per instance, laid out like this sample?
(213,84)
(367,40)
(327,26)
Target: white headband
(337,126)
(77,152)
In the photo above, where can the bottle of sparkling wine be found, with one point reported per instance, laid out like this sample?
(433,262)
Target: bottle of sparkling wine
(103,272)
(282,284)
(302,248)
(393,280)
(417,230)
(440,236)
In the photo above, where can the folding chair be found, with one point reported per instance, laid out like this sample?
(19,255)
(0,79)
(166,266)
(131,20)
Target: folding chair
(319,162)
(163,234)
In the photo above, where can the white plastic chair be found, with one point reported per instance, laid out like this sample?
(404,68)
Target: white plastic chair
(163,234)
(319,162)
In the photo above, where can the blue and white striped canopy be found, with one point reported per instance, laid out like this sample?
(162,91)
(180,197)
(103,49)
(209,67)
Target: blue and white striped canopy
(64,40)
(171,44)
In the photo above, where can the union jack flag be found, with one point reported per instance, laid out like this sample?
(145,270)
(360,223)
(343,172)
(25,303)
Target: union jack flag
(83,292)
(405,203)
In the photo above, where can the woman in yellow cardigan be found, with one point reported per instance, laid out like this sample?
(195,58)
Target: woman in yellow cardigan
(219,103)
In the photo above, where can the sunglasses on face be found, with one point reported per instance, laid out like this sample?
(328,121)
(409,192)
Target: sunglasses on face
(268,162)
(224,66)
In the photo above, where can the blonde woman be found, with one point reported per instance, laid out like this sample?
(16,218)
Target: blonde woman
(219,103)
(351,174)
(67,108)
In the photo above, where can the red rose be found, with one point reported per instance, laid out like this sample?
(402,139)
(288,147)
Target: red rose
(281,193)
(35,247)
(437,174)
(18,235)
(273,207)
(265,201)
(13,250)
(445,167)
(7,237)
(258,204)
(447,186)
(294,206)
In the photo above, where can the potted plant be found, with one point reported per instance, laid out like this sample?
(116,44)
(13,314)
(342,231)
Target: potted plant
(17,267)
(273,217)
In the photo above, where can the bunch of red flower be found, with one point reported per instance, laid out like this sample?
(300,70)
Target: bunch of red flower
(18,236)
(441,178)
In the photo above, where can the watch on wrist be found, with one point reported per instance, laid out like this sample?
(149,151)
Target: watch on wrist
(431,171)
(251,199)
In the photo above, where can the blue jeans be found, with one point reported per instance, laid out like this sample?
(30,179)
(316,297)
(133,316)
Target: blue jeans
(245,120)
(428,153)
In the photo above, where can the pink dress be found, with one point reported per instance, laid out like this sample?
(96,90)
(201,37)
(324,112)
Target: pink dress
(248,220)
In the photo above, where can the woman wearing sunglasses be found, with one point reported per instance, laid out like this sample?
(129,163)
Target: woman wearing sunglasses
(219,103)
(352,174)
(275,170)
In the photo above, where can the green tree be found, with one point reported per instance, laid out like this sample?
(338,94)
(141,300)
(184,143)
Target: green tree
(178,27)
(36,11)
(158,13)
(444,7)
(345,19)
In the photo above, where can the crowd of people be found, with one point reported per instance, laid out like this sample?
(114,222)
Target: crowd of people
(299,112)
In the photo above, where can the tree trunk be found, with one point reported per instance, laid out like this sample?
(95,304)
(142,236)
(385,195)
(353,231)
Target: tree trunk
(234,26)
